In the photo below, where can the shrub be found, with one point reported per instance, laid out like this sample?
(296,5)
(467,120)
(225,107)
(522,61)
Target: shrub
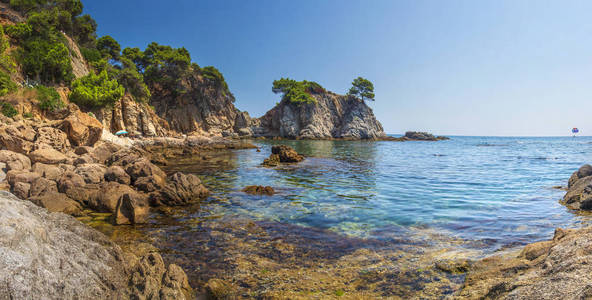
(96,90)
(28,115)
(49,99)
(91,55)
(6,85)
(7,109)
(214,75)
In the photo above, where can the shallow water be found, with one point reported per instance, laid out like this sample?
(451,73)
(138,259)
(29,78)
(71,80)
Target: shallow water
(494,189)
(364,219)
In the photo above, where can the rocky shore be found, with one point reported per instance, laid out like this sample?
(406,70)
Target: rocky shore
(560,268)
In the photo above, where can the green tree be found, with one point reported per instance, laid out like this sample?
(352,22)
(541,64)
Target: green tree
(45,60)
(109,47)
(6,85)
(362,88)
(96,90)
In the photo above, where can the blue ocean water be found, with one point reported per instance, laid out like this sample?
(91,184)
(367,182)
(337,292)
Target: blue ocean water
(477,188)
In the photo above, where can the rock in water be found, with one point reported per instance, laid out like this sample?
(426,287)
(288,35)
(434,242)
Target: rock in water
(332,116)
(282,154)
(259,190)
(579,192)
(422,136)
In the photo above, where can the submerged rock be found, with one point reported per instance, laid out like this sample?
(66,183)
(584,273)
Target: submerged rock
(259,190)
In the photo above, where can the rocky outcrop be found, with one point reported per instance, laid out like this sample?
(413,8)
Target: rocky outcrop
(204,109)
(557,269)
(282,154)
(579,191)
(332,116)
(422,136)
(54,256)
(137,118)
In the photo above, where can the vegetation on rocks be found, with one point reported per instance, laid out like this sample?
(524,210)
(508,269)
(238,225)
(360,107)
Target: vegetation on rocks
(49,99)
(362,88)
(8,109)
(96,90)
(298,92)
(6,85)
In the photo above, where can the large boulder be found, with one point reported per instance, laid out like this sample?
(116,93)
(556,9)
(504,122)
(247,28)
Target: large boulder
(54,256)
(144,168)
(51,172)
(583,171)
(91,173)
(282,154)
(52,137)
(57,202)
(82,129)
(117,174)
(42,186)
(579,192)
(180,190)
(109,195)
(17,137)
(47,156)
(70,180)
(14,161)
(132,208)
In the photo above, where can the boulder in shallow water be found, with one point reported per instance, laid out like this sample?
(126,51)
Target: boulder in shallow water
(583,171)
(282,154)
(259,190)
(180,190)
(132,208)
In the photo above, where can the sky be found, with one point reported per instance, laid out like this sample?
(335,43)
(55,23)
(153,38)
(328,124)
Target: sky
(503,67)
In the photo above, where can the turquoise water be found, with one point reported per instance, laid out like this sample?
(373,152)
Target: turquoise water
(493,189)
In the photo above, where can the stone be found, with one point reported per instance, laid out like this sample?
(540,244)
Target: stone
(84,159)
(287,154)
(14,176)
(583,171)
(82,129)
(132,208)
(57,202)
(17,137)
(175,284)
(103,150)
(180,190)
(220,289)
(51,172)
(14,161)
(53,137)
(70,180)
(259,190)
(144,168)
(21,189)
(148,184)
(81,150)
(41,186)
(579,195)
(109,195)
(117,174)
(47,156)
(91,173)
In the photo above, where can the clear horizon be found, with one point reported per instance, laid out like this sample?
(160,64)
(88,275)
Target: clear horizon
(487,68)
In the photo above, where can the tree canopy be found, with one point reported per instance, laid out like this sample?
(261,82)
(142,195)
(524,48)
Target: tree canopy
(362,88)
(297,91)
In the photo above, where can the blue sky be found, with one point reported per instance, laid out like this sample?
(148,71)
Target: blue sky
(448,67)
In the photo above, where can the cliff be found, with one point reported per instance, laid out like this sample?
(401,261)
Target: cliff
(203,108)
(332,116)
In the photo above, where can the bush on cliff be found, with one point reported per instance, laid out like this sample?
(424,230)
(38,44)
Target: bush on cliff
(46,60)
(214,75)
(49,99)
(96,90)
(6,85)
(7,109)
(297,92)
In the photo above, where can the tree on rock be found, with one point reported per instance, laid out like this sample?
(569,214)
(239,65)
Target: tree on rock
(362,88)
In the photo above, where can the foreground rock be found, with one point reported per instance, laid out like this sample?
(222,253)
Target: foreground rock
(557,269)
(332,116)
(579,189)
(54,256)
(282,154)
(259,190)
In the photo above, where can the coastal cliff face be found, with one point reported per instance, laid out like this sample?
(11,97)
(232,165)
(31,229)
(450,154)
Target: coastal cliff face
(203,108)
(332,116)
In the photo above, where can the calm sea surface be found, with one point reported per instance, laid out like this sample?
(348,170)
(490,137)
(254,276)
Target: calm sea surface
(495,189)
